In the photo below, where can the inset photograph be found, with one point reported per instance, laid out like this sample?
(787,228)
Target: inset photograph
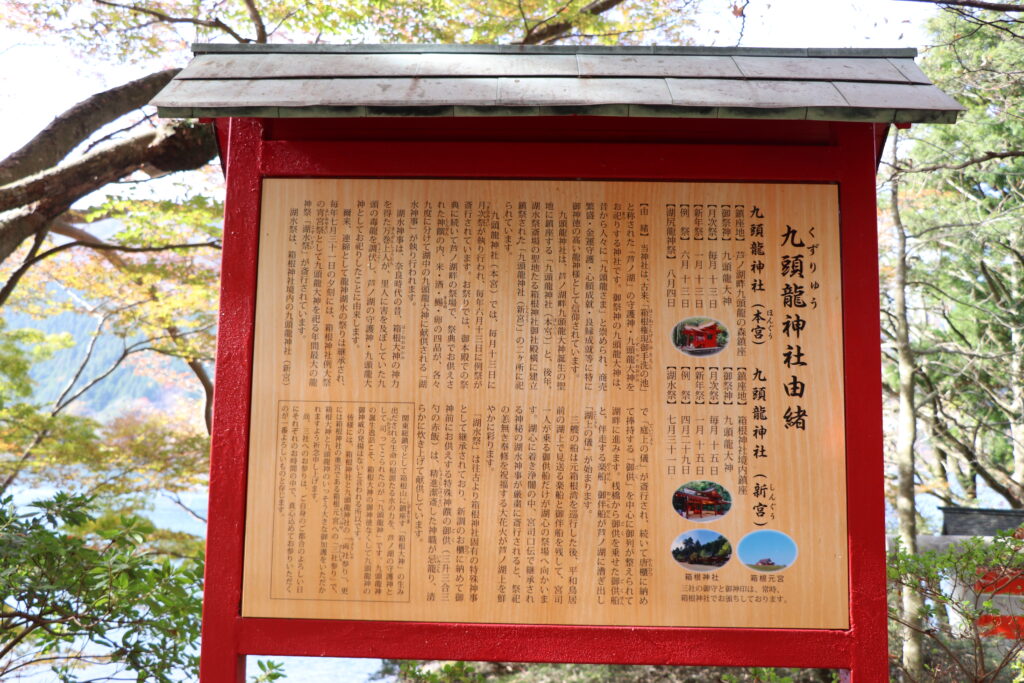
(700,336)
(701,501)
(701,550)
(767,551)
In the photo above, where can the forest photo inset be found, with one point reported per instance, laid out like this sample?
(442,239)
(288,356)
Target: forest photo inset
(700,336)
(701,501)
(701,550)
(767,551)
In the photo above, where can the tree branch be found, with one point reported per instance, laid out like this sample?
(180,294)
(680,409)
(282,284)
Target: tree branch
(75,125)
(195,21)
(997,480)
(60,403)
(204,379)
(114,133)
(13,642)
(111,255)
(16,276)
(546,32)
(38,200)
(108,162)
(988,156)
(257,21)
(974,4)
(17,226)
(176,499)
(87,239)
(740,11)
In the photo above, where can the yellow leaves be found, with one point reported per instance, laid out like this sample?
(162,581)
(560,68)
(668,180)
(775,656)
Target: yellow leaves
(144,29)
(572,21)
(141,451)
(159,450)
(151,308)
(161,294)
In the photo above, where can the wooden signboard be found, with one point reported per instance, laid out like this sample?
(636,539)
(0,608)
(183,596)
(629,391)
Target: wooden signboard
(548,402)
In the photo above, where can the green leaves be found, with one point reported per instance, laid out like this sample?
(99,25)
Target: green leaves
(269,671)
(450,672)
(960,586)
(77,598)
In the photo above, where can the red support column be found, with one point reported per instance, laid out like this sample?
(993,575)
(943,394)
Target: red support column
(221,660)
(865,470)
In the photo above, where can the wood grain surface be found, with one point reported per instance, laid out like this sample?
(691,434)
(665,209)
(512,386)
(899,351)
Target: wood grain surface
(469,404)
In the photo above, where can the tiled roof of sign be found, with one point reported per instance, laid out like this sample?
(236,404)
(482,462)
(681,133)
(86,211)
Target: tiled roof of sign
(510,80)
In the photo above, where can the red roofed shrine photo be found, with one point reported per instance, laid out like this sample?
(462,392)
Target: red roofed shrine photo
(700,336)
(702,501)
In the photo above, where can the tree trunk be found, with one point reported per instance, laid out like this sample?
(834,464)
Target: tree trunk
(78,123)
(1016,367)
(29,205)
(906,436)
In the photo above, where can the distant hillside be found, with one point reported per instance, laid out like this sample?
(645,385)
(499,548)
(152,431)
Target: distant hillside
(123,387)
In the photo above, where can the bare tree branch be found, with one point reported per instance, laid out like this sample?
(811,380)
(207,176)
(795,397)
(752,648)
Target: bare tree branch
(257,21)
(93,144)
(17,226)
(176,499)
(740,10)
(545,32)
(974,4)
(37,201)
(196,21)
(75,125)
(16,276)
(987,156)
(199,370)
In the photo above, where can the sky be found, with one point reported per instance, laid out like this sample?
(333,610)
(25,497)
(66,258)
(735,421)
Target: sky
(767,544)
(39,80)
(827,23)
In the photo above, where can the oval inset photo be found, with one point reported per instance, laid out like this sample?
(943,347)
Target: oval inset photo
(701,550)
(700,336)
(767,551)
(701,501)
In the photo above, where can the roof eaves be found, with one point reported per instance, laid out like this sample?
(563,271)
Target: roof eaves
(250,48)
(867,115)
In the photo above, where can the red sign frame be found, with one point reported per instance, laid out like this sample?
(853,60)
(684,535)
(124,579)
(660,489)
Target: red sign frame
(588,148)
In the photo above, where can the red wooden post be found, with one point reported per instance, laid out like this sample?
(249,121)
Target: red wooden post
(865,499)
(223,658)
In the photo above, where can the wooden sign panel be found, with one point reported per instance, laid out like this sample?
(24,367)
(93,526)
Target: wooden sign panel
(548,402)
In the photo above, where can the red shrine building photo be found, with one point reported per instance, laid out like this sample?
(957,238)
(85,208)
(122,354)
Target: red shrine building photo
(703,336)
